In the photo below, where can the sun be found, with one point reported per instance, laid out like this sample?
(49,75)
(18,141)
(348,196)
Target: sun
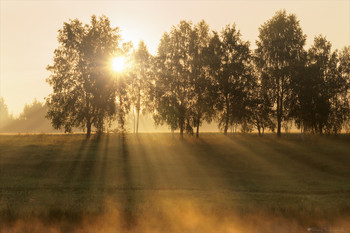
(118,64)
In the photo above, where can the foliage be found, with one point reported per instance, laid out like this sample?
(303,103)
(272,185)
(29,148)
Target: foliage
(83,86)
(141,81)
(181,82)
(31,119)
(260,107)
(231,71)
(280,49)
(198,75)
(344,95)
(5,117)
(202,84)
(320,91)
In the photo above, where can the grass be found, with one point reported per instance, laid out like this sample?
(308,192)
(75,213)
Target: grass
(156,183)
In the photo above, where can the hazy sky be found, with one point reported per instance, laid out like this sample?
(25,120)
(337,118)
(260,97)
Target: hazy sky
(28,30)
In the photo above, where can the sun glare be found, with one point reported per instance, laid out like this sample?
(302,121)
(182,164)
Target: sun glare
(118,64)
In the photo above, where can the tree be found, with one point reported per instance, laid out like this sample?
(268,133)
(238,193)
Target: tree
(331,99)
(280,47)
(123,91)
(183,90)
(142,65)
(32,118)
(5,117)
(202,85)
(344,72)
(260,113)
(231,71)
(302,98)
(83,85)
(319,56)
(173,78)
(319,102)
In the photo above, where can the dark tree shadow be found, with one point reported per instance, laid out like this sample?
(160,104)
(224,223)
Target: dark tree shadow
(130,198)
(104,158)
(81,184)
(220,163)
(77,159)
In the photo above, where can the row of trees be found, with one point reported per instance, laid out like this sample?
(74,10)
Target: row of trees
(30,120)
(201,75)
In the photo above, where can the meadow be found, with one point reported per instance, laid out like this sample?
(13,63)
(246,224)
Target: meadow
(159,183)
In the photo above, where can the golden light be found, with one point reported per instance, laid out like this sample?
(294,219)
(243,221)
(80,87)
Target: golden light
(118,64)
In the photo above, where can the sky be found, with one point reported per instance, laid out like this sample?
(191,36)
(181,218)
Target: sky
(28,30)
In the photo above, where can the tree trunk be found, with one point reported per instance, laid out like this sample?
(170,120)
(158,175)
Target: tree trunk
(279,116)
(88,129)
(278,126)
(138,110)
(279,104)
(227,115)
(259,129)
(137,120)
(182,121)
(134,121)
(121,115)
(302,132)
(197,125)
(181,132)
(197,132)
(100,129)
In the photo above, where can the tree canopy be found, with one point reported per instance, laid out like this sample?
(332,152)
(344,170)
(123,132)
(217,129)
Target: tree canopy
(200,75)
(83,86)
(280,49)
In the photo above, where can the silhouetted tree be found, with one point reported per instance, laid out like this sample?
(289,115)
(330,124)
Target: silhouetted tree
(231,70)
(319,59)
(124,88)
(82,81)
(319,91)
(344,71)
(280,47)
(183,85)
(331,102)
(202,84)
(141,69)
(173,78)
(260,113)
(301,100)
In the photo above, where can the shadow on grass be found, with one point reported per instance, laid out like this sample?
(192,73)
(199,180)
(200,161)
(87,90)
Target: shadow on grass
(77,194)
(76,162)
(27,172)
(223,164)
(128,211)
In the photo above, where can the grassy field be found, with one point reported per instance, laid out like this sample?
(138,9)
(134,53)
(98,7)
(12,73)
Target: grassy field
(157,183)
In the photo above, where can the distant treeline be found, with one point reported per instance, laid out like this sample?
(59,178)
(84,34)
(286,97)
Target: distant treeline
(200,75)
(31,120)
